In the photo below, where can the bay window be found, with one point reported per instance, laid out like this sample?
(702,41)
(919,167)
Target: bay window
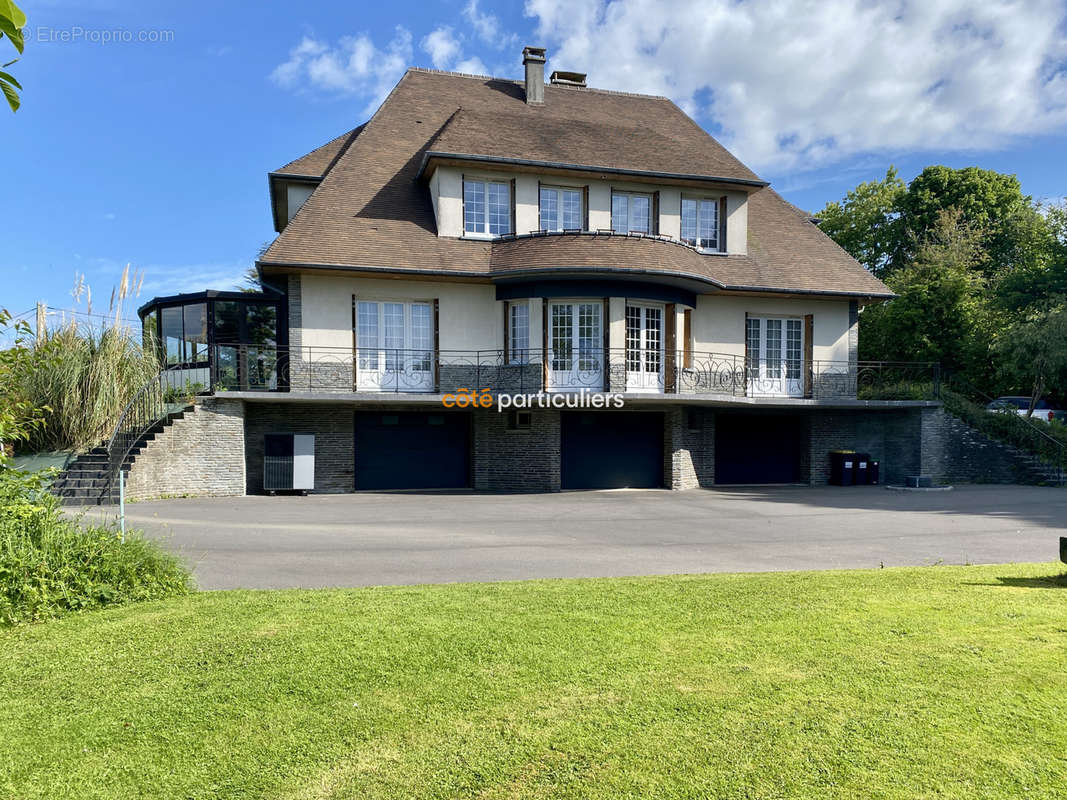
(631,212)
(561,209)
(486,208)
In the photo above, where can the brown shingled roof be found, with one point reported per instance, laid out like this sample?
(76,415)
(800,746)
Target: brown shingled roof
(371,212)
(318,161)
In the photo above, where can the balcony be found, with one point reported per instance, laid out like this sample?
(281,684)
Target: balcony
(250,368)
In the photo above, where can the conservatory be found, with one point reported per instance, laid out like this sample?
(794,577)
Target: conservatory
(217,341)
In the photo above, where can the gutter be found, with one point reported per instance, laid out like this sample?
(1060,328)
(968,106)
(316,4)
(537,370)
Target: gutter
(524,162)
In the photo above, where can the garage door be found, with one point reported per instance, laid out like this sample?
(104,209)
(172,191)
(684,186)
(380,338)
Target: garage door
(758,448)
(611,450)
(412,450)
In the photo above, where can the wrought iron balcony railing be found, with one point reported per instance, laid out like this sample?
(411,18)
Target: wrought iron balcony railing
(251,368)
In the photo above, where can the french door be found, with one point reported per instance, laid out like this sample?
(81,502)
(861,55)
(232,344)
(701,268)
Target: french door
(575,346)
(644,348)
(775,361)
(394,346)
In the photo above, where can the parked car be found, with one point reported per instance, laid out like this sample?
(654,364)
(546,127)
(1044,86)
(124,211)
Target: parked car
(1043,410)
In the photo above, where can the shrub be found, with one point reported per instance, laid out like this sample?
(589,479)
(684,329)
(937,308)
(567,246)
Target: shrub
(50,565)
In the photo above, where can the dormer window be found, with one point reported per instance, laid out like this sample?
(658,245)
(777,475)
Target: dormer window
(486,208)
(631,212)
(561,209)
(700,222)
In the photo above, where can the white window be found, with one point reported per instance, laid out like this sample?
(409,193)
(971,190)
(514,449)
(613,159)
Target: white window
(700,222)
(631,212)
(519,333)
(394,345)
(561,209)
(486,208)
(775,360)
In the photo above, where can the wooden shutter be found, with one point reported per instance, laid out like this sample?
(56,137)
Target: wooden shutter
(654,228)
(809,350)
(544,343)
(355,348)
(507,332)
(687,334)
(722,227)
(436,345)
(513,221)
(604,323)
(585,207)
(670,341)
(540,227)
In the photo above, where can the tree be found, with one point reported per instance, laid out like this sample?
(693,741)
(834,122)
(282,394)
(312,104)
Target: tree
(987,200)
(939,311)
(867,222)
(18,417)
(1033,354)
(12,21)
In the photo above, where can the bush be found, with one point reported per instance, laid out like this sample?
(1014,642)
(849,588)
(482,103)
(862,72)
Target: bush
(50,565)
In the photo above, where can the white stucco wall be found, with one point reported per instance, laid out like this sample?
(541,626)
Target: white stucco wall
(719,323)
(446,190)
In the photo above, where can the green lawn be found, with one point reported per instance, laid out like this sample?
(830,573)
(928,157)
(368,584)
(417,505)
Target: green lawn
(902,683)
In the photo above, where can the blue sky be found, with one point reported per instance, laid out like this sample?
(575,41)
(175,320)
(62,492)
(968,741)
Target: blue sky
(155,153)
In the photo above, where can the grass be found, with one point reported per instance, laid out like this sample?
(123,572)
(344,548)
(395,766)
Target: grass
(897,683)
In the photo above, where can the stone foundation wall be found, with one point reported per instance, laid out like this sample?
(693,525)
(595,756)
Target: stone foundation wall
(517,460)
(689,448)
(332,426)
(893,438)
(954,452)
(199,455)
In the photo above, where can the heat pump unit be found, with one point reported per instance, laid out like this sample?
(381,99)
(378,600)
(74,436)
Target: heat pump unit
(288,462)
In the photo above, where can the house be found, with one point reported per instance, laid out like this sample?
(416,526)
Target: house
(555,243)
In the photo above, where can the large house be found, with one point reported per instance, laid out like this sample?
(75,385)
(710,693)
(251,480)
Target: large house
(674,322)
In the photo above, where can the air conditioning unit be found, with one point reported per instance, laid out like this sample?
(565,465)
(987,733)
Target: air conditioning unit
(288,462)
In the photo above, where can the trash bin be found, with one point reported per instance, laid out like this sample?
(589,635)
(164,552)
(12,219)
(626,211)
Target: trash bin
(873,468)
(842,467)
(861,469)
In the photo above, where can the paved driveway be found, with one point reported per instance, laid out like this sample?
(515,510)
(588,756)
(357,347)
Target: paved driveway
(367,539)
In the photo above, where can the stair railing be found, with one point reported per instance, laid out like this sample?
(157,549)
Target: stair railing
(147,408)
(1056,457)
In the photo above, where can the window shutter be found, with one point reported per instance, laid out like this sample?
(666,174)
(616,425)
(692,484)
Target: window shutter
(687,334)
(540,227)
(507,332)
(607,344)
(513,206)
(809,351)
(654,227)
(670,346)
(355,348)
(436,345)
(463,204)
(585,207)
(722,224)
(748,356)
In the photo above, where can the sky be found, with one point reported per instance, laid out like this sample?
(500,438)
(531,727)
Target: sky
(148,128)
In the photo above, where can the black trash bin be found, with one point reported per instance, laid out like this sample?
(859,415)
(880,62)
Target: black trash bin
(842,467)
(861,469)
(872,472)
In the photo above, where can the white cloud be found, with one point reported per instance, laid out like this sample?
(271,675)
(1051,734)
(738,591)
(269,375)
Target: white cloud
(442,47)
(354,65)
(487,27)
(160,281)
(802,84)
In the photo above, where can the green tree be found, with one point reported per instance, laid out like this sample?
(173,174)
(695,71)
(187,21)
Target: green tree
(939,311)
(867,222)
(19,418)
(1032,354)
(12,21)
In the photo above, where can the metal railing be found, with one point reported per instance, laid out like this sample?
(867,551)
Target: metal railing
(249,368)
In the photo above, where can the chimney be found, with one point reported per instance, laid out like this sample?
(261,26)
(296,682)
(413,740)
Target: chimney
(533,58)
(576,79)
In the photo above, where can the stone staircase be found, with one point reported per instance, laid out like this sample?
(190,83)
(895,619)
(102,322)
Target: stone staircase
(86,480)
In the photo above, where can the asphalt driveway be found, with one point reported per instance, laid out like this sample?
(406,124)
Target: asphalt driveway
(405,538)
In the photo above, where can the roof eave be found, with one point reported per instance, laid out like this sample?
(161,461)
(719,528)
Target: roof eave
(523,162)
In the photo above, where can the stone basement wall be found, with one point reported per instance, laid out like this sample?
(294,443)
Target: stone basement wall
(688,453)
(333,426)
(200,455)
(516,461)
(892,438)
(954,452)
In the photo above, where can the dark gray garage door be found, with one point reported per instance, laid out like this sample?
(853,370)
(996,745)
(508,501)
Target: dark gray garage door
(611,450)
(758,448)
(412,450)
